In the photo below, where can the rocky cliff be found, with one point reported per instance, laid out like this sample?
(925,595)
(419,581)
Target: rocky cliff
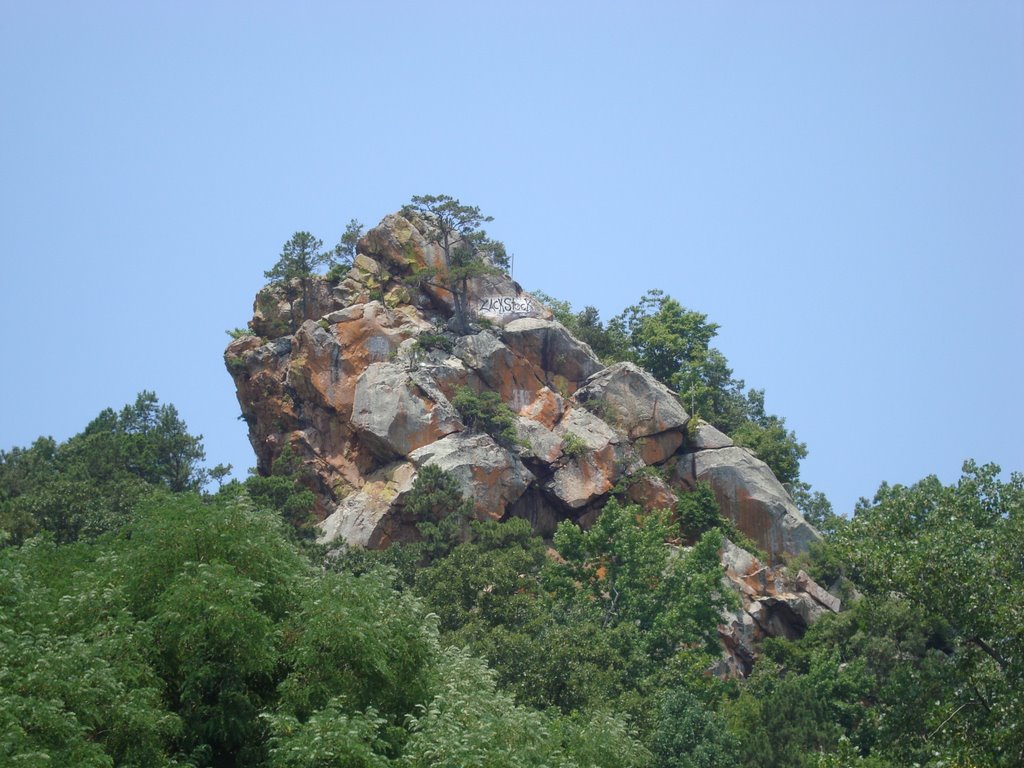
(358,383)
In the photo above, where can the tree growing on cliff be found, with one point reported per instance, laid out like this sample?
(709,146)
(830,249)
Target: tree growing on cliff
(468,252)
(345,251)
(300,259)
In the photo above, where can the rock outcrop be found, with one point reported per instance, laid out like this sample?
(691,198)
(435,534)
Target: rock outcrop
(773,603)
(358,383)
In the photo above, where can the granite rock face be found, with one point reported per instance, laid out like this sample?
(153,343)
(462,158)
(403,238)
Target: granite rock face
(357,383)
(773,603)
(750,495)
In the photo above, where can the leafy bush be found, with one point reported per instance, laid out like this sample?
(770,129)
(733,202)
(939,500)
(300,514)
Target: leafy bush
(485,412)
(441,512)
(430,340)
(338,272)
(573,446)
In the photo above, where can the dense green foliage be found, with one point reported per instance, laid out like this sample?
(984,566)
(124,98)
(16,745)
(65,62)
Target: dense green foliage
(202,636)
(90,483)
(189,630)
(485,412)
(926,667)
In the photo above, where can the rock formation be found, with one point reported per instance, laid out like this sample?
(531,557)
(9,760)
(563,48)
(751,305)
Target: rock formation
(358,383)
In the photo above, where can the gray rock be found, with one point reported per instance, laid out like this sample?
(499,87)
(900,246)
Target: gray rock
(396,414)
(633,401)
(370,516)
(487,473)
(539,442)
(279,308)
(708,438)
(805,583)
(751,497)
(489,358)
(565,361)
(772,604)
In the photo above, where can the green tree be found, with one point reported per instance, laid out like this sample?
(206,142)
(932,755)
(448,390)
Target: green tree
(690,734)
(467,250)
(344,252)
(91,483)
(440,511)
(631,576)
(953,553)
(301,258)
(76,686)
(672,344)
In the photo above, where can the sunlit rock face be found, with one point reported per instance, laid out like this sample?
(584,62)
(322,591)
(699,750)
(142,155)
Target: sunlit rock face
(357,382)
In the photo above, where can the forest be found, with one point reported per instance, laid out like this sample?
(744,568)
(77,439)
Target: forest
(148,622)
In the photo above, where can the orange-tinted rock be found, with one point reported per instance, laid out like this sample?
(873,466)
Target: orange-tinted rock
(352,386)
(515,378)
(580,480)
(546,408)
(772,604)
(655,449)
(651,493)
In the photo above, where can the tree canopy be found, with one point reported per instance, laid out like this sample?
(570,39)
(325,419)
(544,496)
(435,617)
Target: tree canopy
(90,483)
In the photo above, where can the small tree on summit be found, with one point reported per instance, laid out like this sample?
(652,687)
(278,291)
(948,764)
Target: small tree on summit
(301,258)
(468,252)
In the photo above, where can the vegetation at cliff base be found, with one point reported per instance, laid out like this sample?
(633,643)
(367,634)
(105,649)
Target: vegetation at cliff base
(159,624)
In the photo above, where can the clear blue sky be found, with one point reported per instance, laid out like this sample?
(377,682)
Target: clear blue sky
(839,185)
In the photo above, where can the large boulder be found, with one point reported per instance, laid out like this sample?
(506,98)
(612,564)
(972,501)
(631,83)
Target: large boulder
(602,457)
(371,517)
(517,379)
(489,474)
(639,405)
(564,361)
(398,412)
(750,495)
(633,401)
